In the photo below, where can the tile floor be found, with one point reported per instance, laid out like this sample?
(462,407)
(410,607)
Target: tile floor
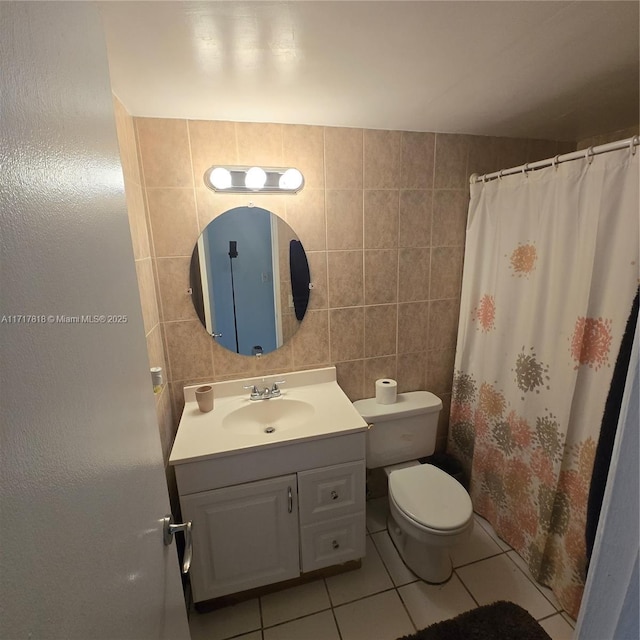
(383,600)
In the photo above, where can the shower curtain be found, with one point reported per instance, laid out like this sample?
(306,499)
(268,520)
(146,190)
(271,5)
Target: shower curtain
(551,269)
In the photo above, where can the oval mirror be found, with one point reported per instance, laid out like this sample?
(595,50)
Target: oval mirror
(250,280)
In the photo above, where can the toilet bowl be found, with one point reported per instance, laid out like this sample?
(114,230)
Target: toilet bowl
(430,511)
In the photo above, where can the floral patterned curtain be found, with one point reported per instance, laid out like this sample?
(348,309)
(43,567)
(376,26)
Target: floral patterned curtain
(551,269)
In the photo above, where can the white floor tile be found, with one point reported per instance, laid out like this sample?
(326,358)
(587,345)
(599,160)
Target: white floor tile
(226,622)
(486,525)
(569,619)
(481,545)
(557,627)
(498,578)
(546,592)
(380,617)
(429,603)
(377,512)
(398,570)
(320,626)
(294,602)
(371,578)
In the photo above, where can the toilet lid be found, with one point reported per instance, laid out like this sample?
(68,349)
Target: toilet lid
(431,497)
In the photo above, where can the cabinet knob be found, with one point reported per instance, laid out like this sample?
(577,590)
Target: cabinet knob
(335,544)
(334,495)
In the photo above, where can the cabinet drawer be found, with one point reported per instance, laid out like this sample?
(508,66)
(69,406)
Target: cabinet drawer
(332,542)
(331,492)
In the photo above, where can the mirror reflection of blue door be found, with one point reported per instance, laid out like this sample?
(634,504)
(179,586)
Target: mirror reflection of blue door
(252,282)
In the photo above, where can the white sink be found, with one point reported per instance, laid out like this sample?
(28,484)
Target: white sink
(311,406)
(269,416)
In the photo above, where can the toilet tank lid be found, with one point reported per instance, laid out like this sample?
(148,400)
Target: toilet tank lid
(409,404)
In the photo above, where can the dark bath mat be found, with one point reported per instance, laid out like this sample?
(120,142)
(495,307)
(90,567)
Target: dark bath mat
(497,621)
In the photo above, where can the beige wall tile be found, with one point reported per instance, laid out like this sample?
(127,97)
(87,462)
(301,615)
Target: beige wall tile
(451,161)
(345,278)
(303,148)
(440,371)
(311,343)
(446,272)
(346,334)
(413,327)
(174,227)
(164,152)
(319,295)
(417,160)
(351,378)
(343,151)
(164,416)
(155,350)
(381,210)
(483,155)
(344,219)
(144,271)
(449,218)
(415,218)
(173,284)
(137,220)
(380,276)
(411,372)
(376,368)
(381,159)
(226,362)
(541,149)
(259,144)
(413,274)
(306,216)
(443,324)
(212,142)
(188,350)
(380,330)
(511,152)
(275,362)
(125,131)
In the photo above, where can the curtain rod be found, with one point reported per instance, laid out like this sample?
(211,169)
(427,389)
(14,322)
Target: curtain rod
(630,143)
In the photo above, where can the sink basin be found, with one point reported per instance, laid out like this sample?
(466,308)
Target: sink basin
(268,416)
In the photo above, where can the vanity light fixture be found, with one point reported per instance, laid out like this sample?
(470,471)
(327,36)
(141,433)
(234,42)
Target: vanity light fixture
(234,179)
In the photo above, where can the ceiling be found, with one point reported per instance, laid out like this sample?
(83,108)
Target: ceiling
(554,70)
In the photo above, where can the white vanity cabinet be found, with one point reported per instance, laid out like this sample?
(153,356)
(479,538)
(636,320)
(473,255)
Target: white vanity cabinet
(244,536)
(271,514)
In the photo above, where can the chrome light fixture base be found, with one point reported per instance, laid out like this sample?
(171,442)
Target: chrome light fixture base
(244,179)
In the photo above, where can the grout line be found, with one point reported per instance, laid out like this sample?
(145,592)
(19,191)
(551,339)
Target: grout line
(465,587)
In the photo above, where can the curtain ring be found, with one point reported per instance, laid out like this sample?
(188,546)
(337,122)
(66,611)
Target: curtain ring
(555,162)
(589,155)
(525,169)
(484,178)
(500,174)
(632,145)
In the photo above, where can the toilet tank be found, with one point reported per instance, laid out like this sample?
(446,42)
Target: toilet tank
(402,431)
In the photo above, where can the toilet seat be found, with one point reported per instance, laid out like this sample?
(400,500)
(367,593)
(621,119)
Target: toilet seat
(431,499)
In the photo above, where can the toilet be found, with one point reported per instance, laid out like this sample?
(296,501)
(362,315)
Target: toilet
(429,511)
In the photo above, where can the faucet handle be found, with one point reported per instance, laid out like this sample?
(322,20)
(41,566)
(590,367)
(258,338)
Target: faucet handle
(275,389)
(254,390)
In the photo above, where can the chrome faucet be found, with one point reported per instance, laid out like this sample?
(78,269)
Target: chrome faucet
(265,393)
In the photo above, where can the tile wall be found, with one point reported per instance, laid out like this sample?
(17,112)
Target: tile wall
(382,218)
(143,251)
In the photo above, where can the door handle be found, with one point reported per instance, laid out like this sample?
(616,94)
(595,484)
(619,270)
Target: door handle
(290,499)
(170,529)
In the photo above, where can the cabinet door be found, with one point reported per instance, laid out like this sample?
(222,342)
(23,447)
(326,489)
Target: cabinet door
(244,536)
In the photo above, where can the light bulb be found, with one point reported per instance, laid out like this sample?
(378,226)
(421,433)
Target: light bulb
(255,178)
(220,178)
(291,179)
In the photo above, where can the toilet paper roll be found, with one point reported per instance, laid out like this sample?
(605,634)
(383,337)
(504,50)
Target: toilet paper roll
(386,391)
